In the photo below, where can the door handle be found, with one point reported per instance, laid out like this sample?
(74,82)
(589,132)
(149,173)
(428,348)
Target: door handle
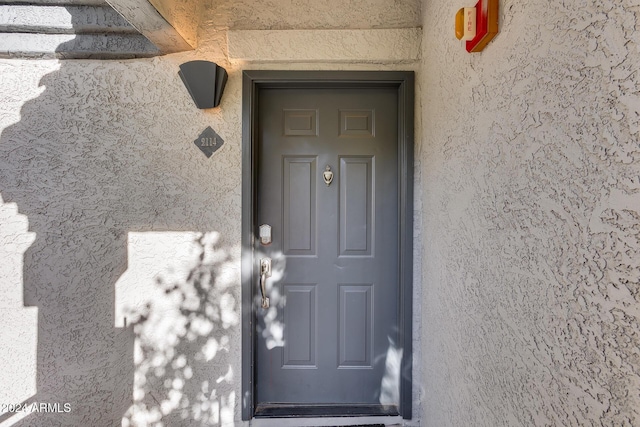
(265,271)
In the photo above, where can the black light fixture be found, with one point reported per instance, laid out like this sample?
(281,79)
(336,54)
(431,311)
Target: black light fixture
(205,81)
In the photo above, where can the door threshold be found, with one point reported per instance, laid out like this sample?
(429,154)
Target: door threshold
(283,410)
(328,421)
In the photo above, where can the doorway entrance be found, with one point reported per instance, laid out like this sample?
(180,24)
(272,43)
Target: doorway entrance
(327,221)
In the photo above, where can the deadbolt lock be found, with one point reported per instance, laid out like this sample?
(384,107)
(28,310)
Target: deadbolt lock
(264,232)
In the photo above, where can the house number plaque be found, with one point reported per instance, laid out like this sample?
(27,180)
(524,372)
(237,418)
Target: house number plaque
(209,141)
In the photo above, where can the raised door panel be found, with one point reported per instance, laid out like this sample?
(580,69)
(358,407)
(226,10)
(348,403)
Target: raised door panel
(356,205)
(299,210)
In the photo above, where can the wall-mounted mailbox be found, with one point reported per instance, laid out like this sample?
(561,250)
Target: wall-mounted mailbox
(205,81)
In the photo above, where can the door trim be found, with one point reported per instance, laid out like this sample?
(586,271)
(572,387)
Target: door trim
(252,82)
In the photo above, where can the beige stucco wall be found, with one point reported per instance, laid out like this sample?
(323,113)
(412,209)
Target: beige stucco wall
(531,166)
(527,206)
(120,265)
(309,14)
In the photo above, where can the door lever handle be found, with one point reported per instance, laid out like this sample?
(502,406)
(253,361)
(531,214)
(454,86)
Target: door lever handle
(265,271)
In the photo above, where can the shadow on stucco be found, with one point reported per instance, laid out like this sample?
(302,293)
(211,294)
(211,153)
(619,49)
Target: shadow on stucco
(81,360)
(83,365)
(69,272)
(82,193)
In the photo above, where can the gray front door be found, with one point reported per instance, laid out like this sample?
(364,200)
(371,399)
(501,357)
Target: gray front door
(328,341)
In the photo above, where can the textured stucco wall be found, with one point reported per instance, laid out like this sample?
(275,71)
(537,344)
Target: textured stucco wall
(531,171)
(126,281)
(184,15)
(20,327)
(310,14)
(91,152)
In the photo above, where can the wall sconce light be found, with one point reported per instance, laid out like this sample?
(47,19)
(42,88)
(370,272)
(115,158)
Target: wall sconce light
(477,25)
(205,81)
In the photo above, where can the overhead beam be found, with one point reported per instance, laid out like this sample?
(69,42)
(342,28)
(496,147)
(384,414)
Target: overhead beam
(149,22)
(370,45)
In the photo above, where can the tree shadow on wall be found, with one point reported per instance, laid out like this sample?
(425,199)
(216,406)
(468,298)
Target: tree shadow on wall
(183,375)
